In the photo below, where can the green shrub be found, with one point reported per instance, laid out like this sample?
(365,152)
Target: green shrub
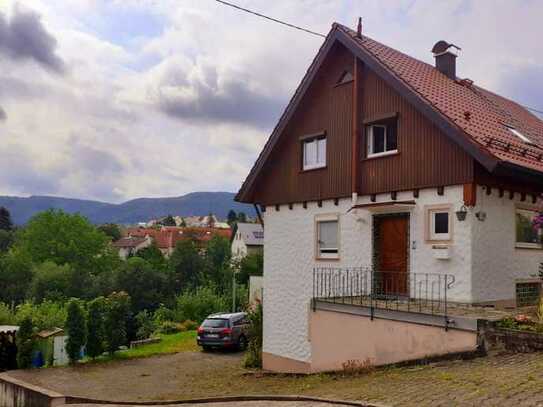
(146,324)
(7,316)
(168,327)
(76,330)
(46,315)
(25,344)
(197,305)
(253,356)
(163,314)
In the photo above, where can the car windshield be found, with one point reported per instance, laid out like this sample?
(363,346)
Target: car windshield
(215,323)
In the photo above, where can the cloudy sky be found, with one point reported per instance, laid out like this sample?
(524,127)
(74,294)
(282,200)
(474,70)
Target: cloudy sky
(117,99)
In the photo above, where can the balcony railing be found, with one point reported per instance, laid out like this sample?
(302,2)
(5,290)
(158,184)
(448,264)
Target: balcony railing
(413,292)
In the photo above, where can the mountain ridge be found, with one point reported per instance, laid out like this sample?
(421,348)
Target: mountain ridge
(129,212)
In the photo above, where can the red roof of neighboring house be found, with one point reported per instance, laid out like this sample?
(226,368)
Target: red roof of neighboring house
(129,241)
(167,237)
(475,118)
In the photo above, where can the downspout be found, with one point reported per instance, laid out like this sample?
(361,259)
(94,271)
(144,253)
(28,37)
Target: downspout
(259,215)
(355,159)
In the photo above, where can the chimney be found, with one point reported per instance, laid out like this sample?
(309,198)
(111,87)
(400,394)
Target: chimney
(359,28)
(445,58)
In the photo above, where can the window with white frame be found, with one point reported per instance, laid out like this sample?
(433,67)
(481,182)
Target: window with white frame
(439,224)
(526,234)
(328,238)
(314,153)
(381,138)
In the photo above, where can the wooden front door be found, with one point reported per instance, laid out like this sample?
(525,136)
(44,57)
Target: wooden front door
(392,254)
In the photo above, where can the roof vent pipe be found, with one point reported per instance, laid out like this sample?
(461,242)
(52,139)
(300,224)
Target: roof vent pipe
(359,28)
(445,58)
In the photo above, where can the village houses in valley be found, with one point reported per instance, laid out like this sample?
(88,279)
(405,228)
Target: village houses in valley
(392,179)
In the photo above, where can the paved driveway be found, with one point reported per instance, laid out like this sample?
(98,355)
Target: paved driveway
(498,380)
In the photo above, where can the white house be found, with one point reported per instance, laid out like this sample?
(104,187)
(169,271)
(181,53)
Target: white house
(387,175)
(247,238)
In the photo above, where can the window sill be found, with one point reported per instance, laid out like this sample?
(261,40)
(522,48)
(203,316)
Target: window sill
(320,167)
(327,258)
(529,246)
(379,155)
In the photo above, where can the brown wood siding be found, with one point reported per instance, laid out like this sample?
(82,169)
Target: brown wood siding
(426,157)
(325,107)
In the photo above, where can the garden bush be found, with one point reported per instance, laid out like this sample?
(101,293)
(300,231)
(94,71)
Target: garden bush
(146,324)
(189,325)
(7,316)
(46,315)
(76,329)
(253,356)
(197,305)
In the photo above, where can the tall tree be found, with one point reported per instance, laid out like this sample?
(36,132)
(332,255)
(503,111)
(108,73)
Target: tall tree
(144,285)
(217,258)
(5,219)
(50,282)
(25,343)
(116,321)
(66,239)
(111,230)
(95,327)
(76,330)
(232,217)
(168,221)
(6,240)
(15,278)
(186,266)
(242,217)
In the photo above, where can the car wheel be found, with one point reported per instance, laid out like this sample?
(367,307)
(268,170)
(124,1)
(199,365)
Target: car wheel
(242,343)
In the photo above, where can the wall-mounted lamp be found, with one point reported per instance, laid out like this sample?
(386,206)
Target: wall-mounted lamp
(480,216)
(462,213)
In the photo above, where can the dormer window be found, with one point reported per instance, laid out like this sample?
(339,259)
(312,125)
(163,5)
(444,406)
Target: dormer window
(381,138)
(314,152)
(520,135)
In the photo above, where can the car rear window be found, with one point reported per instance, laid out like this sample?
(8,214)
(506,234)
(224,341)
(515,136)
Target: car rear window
(215,323)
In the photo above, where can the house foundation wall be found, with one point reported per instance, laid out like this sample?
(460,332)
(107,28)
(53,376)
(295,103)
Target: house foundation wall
(337,338)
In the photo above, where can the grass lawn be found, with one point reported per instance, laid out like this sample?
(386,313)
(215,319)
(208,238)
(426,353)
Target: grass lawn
(173,343)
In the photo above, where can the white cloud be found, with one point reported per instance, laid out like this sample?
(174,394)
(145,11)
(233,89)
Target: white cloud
(189,105)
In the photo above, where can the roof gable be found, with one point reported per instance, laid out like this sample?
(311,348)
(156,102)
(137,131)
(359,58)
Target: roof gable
(472,117)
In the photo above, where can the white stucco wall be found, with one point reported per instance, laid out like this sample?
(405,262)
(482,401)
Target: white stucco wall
(289,259)
(497,262)
(239,248)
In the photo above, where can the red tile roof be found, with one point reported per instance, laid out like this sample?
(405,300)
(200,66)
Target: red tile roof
(130,241)
(481,114)
(167,237)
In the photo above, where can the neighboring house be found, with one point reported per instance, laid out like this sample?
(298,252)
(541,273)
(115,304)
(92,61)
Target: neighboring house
(167,237)
(247,238)
(384,162)
(130,245)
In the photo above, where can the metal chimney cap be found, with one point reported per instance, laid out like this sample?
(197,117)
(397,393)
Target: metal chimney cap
(441,47)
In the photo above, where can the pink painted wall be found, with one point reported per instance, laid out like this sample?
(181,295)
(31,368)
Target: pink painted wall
(337,337)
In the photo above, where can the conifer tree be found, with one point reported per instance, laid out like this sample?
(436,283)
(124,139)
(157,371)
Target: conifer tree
(76,330)
(5,219)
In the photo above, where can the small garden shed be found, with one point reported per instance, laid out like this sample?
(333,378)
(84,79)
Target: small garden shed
(52,344)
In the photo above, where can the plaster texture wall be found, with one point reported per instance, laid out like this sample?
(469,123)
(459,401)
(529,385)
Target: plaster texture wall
(497,262)
(289,259)
(379,342)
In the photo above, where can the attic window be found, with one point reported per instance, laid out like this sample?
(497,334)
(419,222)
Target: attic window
(520,135)
(345,77)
